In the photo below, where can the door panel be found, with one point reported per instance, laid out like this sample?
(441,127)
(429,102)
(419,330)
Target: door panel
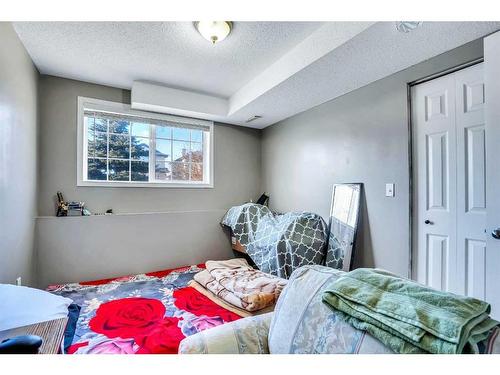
(438,271)
(475,269)
(475,169)
(437,171)
(492,120)
(473,95)
(433,113)
(436,106)
(471,181)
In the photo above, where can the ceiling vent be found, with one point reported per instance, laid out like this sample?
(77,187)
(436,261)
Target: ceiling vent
(253,118)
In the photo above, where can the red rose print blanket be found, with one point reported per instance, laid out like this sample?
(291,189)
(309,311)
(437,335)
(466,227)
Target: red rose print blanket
(141,314)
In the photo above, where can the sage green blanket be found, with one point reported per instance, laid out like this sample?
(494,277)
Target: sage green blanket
(409,317)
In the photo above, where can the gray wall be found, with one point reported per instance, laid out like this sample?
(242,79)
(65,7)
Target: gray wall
(177,237)
(237,160)
(18,158)
(359,137)
(95,247)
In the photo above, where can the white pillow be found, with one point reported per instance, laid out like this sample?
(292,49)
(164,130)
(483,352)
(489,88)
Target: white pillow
(21,306)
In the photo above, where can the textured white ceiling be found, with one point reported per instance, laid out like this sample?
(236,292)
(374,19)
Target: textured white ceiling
(270,69)
(373,54)
(171,53)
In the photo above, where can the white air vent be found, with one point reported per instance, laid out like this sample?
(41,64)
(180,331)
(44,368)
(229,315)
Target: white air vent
(253,118)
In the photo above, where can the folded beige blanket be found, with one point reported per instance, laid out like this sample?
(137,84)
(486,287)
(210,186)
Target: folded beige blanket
(219,301)
(237,283)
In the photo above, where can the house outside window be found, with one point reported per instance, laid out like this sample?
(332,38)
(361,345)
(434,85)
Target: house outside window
(121,147)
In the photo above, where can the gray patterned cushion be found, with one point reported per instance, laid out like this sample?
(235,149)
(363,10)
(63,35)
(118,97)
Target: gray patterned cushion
(278,243)
(302,323)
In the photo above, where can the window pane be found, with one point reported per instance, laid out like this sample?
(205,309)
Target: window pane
(197,152)
(163,132)
(96,169)
(89,123)
(101,144)
(163,149)
(90,140)
(140,148)
(196,172)
(140,170)
(90,148)
(119,146)
(118,170)
(101,125)
(163,170)
(181,134)
(140,129)
(180,151)
(119,126)
(180,171)
(90,134)
(196,136)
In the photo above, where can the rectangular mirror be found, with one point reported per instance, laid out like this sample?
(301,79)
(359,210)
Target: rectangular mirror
(343,225)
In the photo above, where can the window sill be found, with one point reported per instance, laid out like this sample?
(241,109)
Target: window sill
(145,185)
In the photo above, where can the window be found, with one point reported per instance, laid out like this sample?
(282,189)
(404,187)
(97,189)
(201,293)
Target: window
(118,146)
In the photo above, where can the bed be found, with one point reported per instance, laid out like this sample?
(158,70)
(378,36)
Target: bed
(148,313)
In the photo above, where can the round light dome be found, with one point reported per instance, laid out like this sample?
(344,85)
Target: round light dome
(214,31)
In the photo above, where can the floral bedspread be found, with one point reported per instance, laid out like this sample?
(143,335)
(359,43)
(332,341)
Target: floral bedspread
(142,314)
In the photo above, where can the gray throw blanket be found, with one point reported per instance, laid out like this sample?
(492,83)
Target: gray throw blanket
(278,243)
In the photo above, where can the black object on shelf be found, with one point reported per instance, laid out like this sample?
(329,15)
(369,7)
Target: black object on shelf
(65,208)
(62,205)
(263,200)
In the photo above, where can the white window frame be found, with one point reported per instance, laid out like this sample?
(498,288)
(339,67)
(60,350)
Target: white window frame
(120,108)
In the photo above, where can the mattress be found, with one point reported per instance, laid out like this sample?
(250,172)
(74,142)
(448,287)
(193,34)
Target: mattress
(148,313)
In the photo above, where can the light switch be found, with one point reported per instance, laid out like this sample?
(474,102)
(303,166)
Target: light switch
(389,190)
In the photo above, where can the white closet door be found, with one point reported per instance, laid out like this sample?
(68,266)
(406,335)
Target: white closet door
(471,182)
(450,156)
(435,156)
(492,79)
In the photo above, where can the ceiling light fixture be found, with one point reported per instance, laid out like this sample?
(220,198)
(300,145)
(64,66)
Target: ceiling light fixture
(214,31)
